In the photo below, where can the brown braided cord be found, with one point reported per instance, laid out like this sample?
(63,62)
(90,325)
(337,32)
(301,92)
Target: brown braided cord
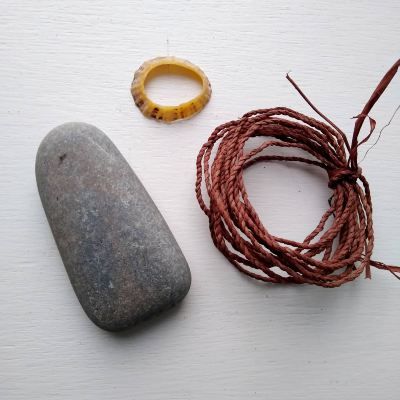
(344,247)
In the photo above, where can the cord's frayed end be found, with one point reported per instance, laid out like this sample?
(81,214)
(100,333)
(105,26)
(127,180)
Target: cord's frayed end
(368,272)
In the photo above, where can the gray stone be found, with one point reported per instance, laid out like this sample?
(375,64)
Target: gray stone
(123,261)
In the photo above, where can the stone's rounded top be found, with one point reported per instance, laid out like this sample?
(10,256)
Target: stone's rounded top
(123,261)
(72,130)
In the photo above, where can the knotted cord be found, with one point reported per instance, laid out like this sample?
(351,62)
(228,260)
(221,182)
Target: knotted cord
(339,249)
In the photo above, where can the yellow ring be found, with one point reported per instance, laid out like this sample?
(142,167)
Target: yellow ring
(169,113)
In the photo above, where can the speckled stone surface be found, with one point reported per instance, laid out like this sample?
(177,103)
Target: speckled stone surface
(123,261)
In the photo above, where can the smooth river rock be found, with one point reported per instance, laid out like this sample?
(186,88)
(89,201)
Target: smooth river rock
(122,260)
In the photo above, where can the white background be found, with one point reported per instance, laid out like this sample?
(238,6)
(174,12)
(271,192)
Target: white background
(232,338)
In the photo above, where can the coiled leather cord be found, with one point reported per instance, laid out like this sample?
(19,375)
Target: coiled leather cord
(339,249)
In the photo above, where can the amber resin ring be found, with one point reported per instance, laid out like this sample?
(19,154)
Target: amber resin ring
(160,112)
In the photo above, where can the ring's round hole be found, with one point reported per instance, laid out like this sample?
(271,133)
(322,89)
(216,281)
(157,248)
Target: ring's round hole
(172,85)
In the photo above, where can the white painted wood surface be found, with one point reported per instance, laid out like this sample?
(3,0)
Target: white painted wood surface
(232,338)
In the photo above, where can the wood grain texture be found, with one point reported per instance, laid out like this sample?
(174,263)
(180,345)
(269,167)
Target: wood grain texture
(232,338)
